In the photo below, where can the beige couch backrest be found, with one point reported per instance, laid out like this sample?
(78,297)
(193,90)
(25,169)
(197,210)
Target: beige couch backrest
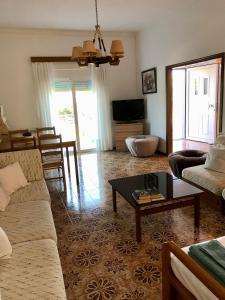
(30,161)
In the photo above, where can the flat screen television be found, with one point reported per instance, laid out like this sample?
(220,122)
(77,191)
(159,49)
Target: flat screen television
(128,110)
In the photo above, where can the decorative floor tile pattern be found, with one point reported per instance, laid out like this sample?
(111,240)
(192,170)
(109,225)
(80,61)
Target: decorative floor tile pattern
(100,257)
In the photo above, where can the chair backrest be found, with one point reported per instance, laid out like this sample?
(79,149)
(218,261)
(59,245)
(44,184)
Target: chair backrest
(23,143)
(50,145)
(45,131)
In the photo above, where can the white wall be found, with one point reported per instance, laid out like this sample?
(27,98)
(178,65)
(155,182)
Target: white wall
(16,85)
(169,42)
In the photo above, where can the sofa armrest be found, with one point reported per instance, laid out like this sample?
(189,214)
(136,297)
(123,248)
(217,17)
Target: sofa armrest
(30,161)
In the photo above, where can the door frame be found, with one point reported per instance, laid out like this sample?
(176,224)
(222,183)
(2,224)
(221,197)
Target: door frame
(76,119)
(169,96)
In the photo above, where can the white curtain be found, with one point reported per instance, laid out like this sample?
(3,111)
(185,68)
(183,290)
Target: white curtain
(43,82)
(99,79)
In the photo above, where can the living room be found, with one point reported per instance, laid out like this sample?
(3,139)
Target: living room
(100,254)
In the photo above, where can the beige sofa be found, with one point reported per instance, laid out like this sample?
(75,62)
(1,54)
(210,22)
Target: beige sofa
(34,271)
(210,180)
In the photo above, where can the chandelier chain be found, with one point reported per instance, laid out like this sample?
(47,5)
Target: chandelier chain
(96,11)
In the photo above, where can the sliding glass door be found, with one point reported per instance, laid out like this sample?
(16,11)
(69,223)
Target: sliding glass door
(86,112)
(74,113)
(62,114)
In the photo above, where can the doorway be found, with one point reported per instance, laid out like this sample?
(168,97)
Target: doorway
(194,103)
(202,91)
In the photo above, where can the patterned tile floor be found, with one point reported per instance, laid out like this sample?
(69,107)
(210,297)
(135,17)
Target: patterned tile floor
(99,254)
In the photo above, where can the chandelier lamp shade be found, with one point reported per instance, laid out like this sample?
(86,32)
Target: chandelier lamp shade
(94,51)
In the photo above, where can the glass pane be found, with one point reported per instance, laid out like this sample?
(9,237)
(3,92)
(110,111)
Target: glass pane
(62,114)
(87,119)
(196,86)
(205,86)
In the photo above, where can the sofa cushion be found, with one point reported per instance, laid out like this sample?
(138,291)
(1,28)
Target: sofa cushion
(34,272)
(4,199)
(30,161)
(36,191)
(5,246)
(28,221)
(12,178)
(210,180)
(215,159)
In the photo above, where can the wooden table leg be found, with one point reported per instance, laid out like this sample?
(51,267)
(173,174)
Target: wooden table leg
(197,211)
(68,160)
(114,200)
(138,225)
(76,164)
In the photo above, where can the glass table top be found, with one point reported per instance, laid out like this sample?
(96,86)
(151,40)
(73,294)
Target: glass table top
(170,187)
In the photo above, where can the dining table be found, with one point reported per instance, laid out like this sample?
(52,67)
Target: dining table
(5,146)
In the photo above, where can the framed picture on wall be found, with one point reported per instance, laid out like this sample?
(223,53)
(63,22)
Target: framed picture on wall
(149,81)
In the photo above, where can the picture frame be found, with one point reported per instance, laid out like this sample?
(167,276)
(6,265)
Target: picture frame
(149,81)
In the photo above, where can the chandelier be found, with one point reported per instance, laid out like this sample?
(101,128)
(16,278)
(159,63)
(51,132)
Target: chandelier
(90,54)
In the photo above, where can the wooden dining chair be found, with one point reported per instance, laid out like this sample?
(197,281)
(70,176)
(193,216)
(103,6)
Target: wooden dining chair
(50,146)
(45,131)
(23,143)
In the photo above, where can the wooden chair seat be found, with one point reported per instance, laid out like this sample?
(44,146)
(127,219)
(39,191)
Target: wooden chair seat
(50,164)
(51,153)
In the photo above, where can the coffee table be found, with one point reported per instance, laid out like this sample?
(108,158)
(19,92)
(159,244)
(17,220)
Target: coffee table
(177,193)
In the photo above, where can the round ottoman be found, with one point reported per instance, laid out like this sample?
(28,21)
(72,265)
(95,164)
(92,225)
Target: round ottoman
(184,159)
(142,145)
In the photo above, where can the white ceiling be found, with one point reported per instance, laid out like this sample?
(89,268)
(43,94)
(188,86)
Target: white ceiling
(130,15)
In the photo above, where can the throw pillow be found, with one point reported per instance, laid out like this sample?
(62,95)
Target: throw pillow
(5,246)
(4,199)
(12,178)
(215,159)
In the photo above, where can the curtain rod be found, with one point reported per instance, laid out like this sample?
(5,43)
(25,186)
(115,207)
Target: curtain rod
(51,59)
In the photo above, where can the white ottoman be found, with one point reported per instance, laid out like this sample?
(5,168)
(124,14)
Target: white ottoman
(142,145)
